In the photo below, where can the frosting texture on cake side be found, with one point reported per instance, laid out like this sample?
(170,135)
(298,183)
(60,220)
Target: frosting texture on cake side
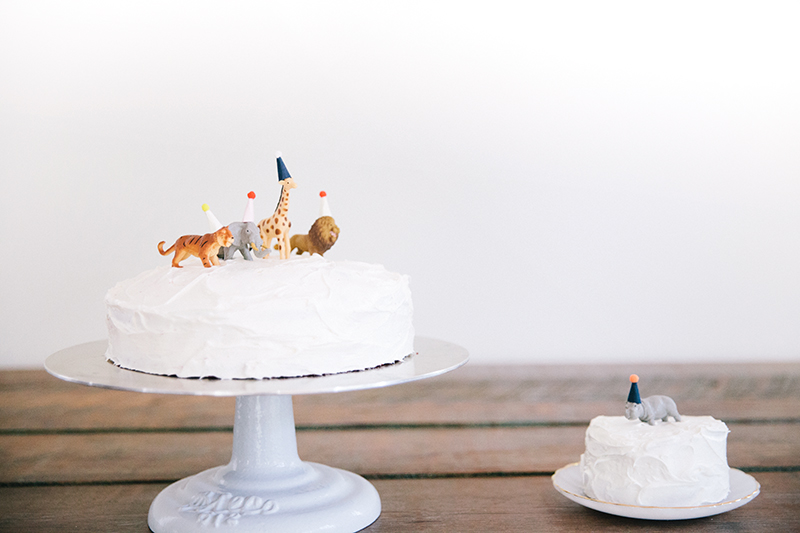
(670,464)
(260,319)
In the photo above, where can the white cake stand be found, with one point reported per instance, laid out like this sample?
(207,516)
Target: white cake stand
(265,486)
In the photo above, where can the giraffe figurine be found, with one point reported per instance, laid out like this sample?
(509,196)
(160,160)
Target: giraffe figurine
(278,224)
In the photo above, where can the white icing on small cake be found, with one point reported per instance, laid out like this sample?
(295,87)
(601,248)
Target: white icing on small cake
(260,319)
(670,464)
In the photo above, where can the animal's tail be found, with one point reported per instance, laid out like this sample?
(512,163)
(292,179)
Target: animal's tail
(277,245)
(292,244)
(168,250)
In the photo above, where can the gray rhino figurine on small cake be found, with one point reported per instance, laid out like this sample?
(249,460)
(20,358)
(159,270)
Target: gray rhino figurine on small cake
(651,408)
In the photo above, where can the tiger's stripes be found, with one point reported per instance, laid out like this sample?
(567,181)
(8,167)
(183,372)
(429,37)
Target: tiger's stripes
(203,246)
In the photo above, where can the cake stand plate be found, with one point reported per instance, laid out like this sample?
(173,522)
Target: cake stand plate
(744,488)
(265,486)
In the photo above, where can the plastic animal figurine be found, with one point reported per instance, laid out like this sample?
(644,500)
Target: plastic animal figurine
(278,224)
(203,246)
(245,234)
(651,408)
(321,237)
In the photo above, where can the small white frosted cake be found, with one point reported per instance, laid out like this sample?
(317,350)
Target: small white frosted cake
(669,464)
(260,319)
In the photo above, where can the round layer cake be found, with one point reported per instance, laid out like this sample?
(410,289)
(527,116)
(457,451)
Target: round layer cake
(669,464)
(301,316)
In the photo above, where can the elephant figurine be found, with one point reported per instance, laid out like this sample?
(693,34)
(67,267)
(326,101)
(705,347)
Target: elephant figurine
(244,235)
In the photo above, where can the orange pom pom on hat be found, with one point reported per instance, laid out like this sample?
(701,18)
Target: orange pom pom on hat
(633,395)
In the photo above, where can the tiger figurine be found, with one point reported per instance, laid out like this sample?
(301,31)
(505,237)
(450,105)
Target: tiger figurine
(203,246)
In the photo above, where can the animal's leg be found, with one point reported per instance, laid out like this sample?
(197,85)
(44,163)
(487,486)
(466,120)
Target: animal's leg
(214,260)
(246,252)
(180,255)
(286,247)
(206,260)
(676,416)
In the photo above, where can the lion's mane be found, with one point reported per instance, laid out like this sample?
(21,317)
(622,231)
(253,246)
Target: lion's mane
(321,237)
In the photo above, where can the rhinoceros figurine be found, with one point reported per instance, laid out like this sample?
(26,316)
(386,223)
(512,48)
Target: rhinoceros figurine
(651,408)
(244,234)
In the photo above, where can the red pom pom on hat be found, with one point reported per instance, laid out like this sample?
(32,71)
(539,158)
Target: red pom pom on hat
(324,208)
(249,213)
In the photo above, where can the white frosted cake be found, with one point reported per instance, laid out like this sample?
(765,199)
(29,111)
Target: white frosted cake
(668,464)
(260,319)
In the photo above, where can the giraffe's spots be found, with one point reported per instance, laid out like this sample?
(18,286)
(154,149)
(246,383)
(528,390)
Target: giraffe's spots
(277,232)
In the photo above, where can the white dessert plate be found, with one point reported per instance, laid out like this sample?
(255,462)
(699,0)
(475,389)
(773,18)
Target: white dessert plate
(744,488)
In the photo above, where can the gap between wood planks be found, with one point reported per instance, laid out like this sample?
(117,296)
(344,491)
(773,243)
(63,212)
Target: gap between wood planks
(351,427)
(420,476)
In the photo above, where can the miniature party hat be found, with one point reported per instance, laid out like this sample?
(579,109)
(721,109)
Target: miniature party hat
(633,395)
(213,222)
(324,208)
(283,173)
(249,214)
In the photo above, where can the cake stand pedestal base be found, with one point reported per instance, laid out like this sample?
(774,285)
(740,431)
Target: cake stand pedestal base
(266,487)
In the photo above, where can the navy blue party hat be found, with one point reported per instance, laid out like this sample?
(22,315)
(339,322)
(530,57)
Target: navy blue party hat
(633,395)
(283,173)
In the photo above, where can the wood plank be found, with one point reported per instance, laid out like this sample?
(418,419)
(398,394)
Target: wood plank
(481,504)
(531,504)
(37,400)
(104,508)
(159,456)
(473,394)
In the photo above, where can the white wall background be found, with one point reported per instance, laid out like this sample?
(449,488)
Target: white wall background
(564,182)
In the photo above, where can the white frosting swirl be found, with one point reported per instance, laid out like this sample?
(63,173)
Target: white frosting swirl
(670,464)
(258,319)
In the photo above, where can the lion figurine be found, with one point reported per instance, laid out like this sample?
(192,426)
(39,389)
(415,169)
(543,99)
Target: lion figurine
(203,246)
(323,234)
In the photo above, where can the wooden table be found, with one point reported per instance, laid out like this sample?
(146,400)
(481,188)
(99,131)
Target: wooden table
(472,450)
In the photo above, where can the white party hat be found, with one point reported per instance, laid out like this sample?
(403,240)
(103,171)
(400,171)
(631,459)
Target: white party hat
(324,208)
(213,222)
(249,214)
